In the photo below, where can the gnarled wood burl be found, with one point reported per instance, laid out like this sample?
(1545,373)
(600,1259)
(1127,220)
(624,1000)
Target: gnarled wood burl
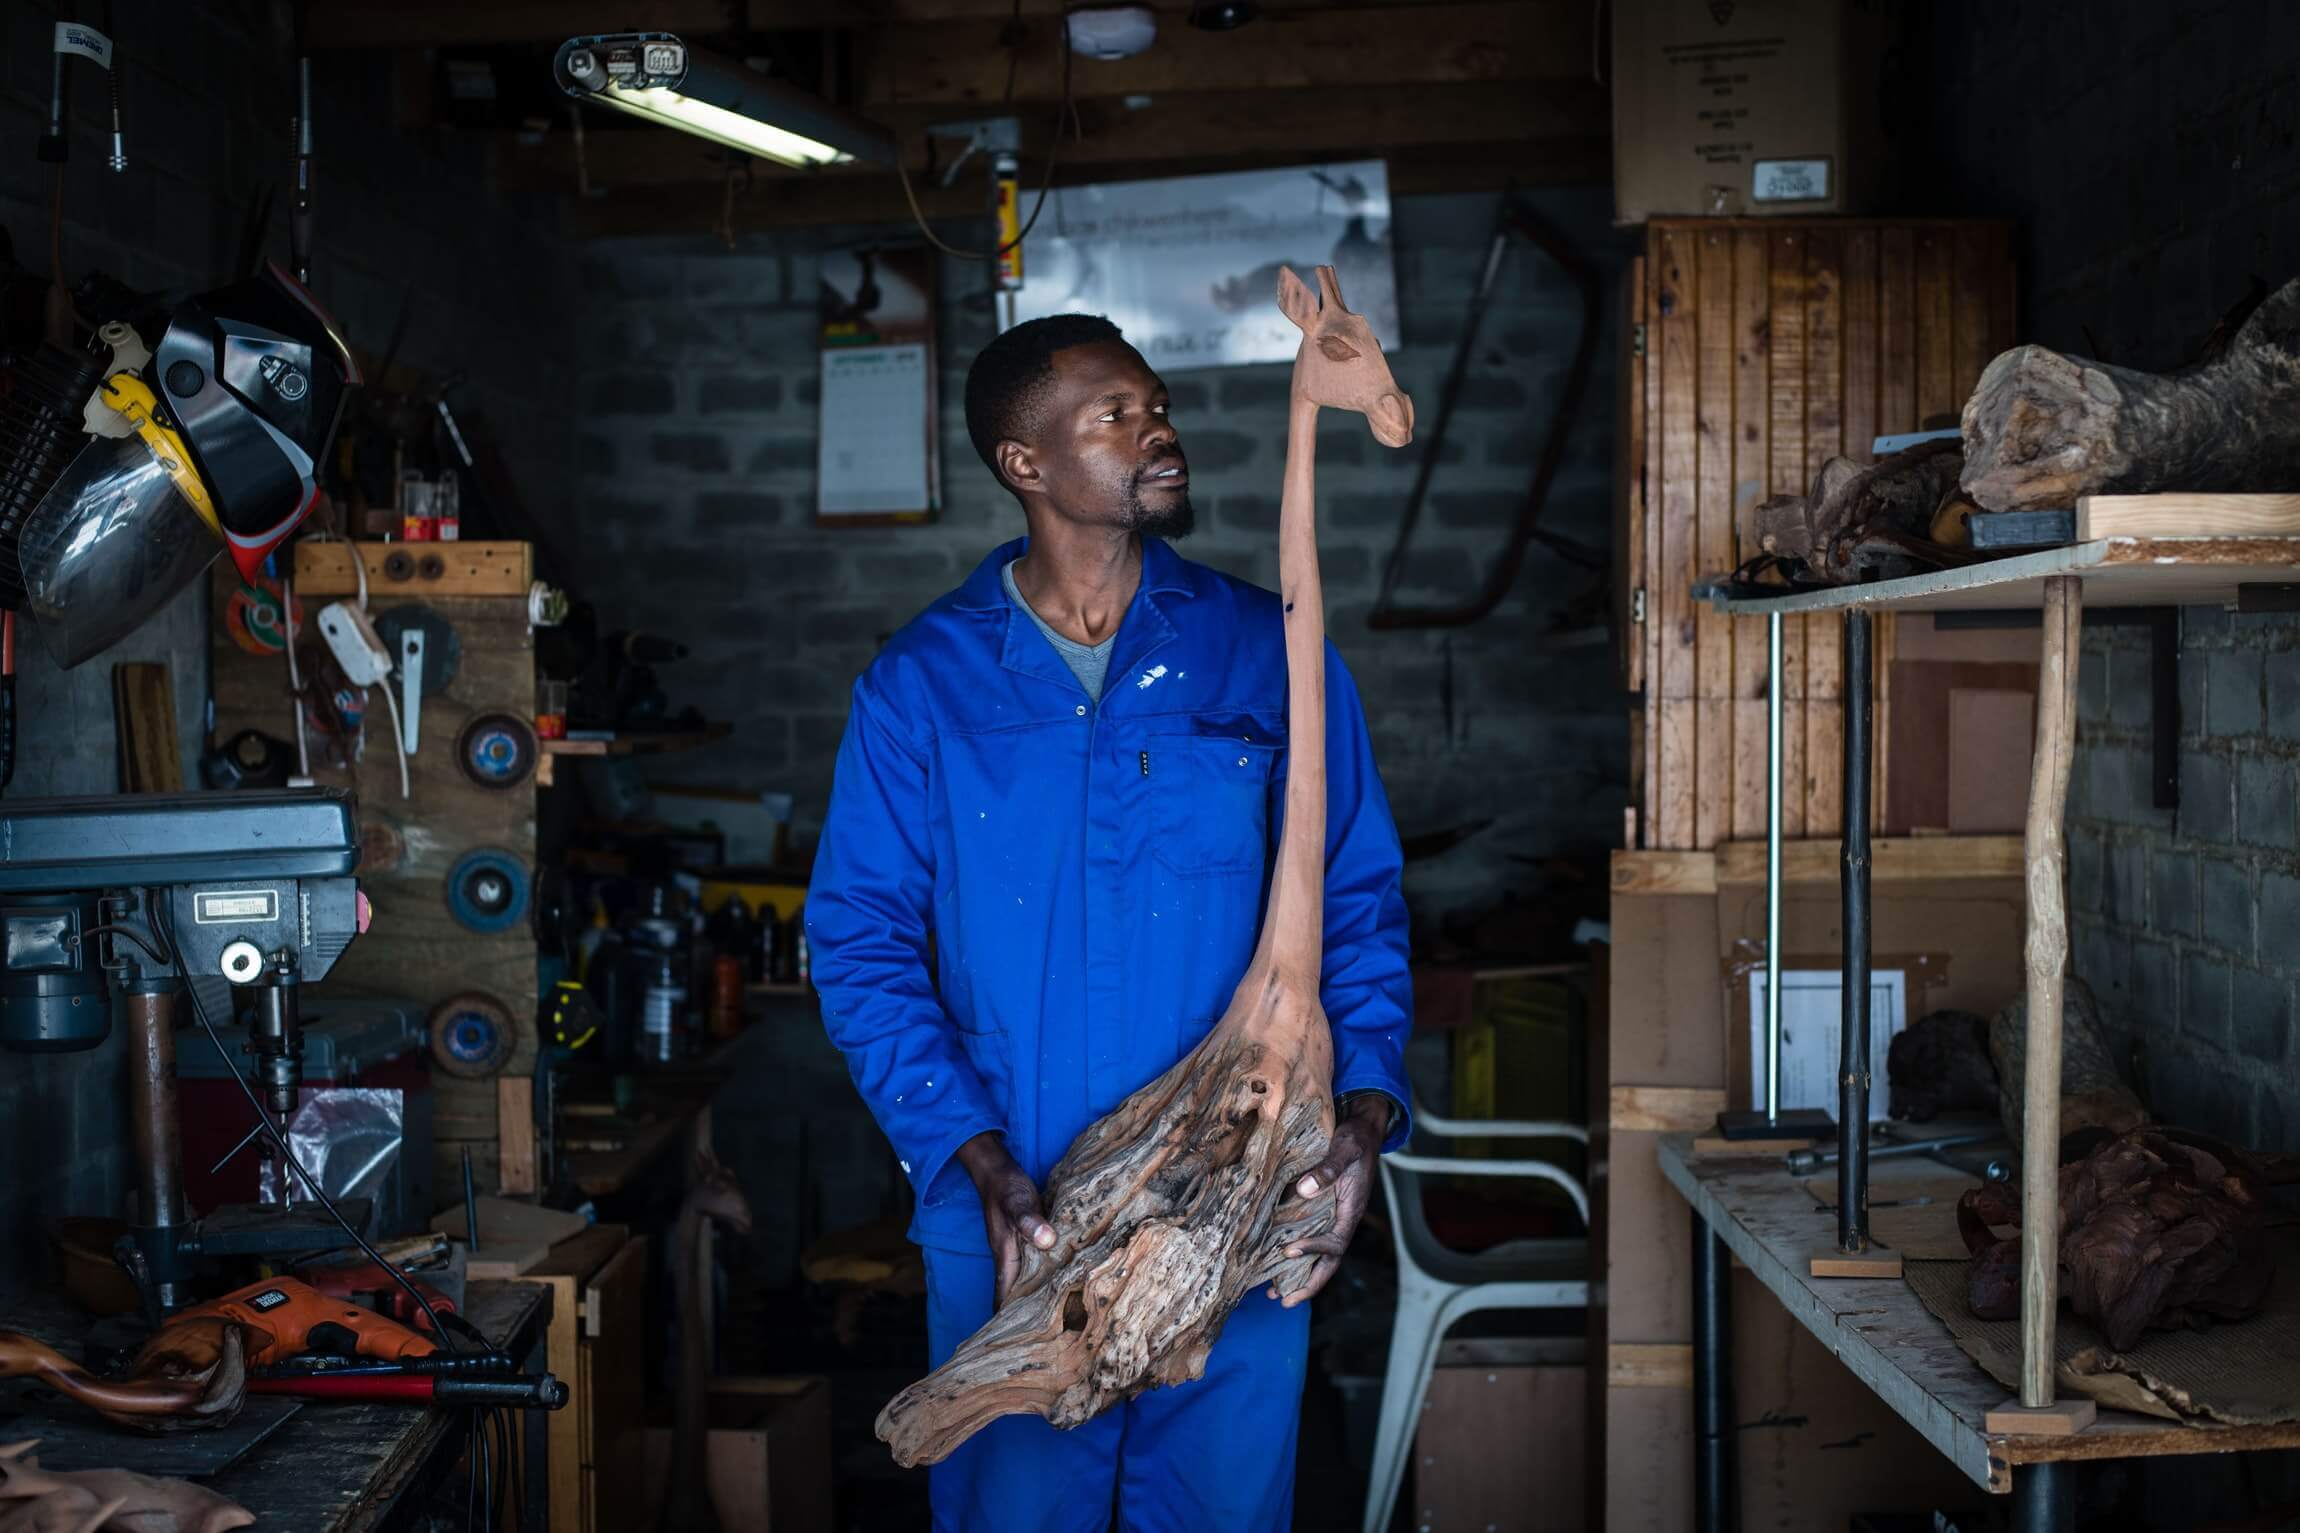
(1173,1208)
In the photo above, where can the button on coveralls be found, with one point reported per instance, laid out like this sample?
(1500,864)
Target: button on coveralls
(1027,906)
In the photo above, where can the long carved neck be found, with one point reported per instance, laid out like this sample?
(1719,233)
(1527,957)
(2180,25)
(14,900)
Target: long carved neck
(1293,932)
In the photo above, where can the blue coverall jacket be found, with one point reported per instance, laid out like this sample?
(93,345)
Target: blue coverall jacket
(1027,905)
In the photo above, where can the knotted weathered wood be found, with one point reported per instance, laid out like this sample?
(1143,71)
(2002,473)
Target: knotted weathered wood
(2042,429)
(1173,1208)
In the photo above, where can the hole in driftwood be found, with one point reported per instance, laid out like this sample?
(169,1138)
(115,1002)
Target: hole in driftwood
(1261,1088)
(1074,1311)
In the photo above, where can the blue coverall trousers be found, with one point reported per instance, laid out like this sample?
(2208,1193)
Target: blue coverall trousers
(1212,1456)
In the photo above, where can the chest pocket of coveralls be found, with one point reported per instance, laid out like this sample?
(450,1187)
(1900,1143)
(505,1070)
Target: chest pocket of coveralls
(1210,786)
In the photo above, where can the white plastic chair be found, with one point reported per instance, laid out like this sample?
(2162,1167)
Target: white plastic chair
(1438,1285)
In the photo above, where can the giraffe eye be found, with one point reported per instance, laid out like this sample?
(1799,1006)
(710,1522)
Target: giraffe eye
(1337,349)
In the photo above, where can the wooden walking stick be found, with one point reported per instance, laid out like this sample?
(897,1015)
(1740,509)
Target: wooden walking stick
(1173,1208)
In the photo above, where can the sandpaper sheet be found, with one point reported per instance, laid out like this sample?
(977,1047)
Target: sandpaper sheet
(2243,1372)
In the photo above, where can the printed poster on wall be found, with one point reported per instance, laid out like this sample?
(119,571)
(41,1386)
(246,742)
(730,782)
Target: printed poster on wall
(875,459)
(1188,266)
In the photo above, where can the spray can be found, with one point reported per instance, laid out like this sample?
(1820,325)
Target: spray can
(666,998)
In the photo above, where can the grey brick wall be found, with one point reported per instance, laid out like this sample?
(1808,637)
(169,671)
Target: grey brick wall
(700,401)
(207,102)
(2138,231)
(2148,153)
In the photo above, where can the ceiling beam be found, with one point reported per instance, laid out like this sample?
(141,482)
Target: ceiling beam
(965,63)
(476,23)
(1193,127)
(768,205)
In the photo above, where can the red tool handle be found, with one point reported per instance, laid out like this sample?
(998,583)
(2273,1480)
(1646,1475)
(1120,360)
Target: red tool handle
(368,1387)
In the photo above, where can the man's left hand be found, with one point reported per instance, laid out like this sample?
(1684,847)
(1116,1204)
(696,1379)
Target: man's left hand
(1346,1175)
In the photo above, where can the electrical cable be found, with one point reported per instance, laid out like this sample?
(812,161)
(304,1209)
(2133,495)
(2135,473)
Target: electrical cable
(1066,114)
(398,732)
(162,926)
(128,932)
(295,680)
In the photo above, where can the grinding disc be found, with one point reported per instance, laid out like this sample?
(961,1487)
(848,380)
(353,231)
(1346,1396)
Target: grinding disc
(442,650)
(497,750)
(487,890)
(472,1035)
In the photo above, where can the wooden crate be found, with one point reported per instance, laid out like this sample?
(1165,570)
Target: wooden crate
(1758,350)
(597,1347)
(768,1453)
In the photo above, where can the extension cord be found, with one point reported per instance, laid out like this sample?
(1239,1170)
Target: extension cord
(352,639)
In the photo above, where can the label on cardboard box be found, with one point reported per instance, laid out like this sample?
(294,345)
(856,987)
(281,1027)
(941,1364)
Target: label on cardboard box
(1728,107)
(1790,181)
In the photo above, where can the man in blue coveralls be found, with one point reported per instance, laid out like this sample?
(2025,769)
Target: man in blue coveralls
(1041,878)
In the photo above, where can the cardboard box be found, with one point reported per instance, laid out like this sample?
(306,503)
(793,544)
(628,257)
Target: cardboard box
(769,1454)
(1728,108)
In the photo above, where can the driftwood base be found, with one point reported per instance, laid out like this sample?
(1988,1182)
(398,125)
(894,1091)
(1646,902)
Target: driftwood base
(1167,1213)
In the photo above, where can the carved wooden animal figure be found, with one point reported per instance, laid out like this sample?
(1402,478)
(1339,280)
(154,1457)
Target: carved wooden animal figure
(191,1374)
(33,1500)
(1173,1208)
(713,1196)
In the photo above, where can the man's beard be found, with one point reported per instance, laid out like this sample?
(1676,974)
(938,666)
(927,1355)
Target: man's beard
(1169,522)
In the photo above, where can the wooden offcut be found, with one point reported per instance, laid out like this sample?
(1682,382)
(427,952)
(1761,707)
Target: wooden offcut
(1769,347)
(1649,1365)
(1871,1262)
(2063,1418)
(2187,516)
(1664,1109)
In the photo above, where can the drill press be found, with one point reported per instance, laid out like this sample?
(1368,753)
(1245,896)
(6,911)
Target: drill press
(160,900)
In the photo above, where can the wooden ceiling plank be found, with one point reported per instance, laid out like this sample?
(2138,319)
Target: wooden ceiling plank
(1181,126)
(474,23)
(775,204)
(965,65)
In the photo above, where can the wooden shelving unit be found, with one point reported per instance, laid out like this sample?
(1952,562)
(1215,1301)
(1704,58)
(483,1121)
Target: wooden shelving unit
(627,745)
(1896,1348)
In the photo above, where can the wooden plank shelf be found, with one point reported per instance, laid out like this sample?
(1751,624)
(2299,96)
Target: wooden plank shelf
(2116,572)
(639,744)
(1882,1331)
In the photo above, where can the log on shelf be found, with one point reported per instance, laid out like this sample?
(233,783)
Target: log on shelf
(2044,428)
(1857,523)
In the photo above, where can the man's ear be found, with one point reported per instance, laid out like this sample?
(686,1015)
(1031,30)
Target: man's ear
(1295,298)
(1015,467)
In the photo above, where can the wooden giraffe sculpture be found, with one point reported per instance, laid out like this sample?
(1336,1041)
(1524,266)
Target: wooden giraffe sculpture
(1174,1207)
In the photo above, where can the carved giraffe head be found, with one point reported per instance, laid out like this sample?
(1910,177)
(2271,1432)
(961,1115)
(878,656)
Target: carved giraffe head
(1340,365)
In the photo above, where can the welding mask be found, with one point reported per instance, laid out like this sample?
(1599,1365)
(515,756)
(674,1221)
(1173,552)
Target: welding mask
(212,444)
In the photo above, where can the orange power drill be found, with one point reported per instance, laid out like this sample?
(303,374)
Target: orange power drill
(282,1317)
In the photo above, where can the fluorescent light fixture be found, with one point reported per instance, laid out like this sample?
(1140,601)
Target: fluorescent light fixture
(657,77)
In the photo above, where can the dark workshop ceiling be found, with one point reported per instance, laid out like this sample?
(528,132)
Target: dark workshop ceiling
(1456,94)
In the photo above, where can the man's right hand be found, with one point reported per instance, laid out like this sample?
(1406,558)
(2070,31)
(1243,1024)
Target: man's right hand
(1011,1212)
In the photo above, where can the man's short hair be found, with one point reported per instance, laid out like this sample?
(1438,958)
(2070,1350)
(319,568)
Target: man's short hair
(1006,387)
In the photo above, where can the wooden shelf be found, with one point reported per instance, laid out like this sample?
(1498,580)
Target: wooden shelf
(639,745)
(2117,572)
(1882,1331)
(1891,858)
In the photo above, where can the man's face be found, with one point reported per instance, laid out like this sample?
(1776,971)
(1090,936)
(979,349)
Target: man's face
(1106,454)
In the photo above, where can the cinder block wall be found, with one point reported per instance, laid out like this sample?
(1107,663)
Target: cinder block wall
(206,99)
(2149,156)
(2137,232)
(699,409)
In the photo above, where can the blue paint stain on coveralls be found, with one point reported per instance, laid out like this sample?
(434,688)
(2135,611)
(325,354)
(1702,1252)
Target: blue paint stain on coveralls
(1026,906)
